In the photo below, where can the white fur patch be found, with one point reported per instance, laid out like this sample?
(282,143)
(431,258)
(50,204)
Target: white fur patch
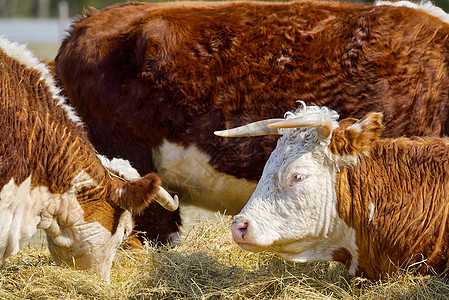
(354,250)
(70,237)
(121,166)
(18,217)
(187,172)
(425,6)
(371,211)
(24,56)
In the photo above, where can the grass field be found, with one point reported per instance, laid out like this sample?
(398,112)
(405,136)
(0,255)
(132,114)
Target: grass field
(208,265)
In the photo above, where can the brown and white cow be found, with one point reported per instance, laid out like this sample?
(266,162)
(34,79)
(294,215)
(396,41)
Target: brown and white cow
(51,177)
(335,191)
(153,81)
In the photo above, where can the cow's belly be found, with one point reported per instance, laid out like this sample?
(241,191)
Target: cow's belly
(187,172)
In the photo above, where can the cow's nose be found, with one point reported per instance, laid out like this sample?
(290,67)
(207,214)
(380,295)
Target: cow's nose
(238,229)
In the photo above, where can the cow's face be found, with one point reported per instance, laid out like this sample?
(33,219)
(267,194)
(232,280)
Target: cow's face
(88,245)
(293,211)
(94,220)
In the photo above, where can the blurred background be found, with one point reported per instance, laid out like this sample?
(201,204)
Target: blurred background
(42,23)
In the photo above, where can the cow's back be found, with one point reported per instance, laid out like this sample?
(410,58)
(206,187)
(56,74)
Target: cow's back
(149,79)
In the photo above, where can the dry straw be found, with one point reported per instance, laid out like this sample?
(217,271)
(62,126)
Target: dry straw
(208,265)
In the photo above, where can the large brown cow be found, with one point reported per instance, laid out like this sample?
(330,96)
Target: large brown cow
(336,191)
(51,177)
(153,81)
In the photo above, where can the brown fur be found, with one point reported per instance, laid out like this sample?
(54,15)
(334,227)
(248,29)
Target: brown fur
(342,255)
(140,193)
(356,140)
(39,140)
(139,73)
(407,181)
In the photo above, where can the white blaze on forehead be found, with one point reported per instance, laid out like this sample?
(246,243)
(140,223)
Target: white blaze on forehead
(24,56)
(187,171)
(425,6)
(90,244)
(71,237)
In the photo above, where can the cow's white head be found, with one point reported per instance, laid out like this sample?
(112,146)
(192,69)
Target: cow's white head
(293,211)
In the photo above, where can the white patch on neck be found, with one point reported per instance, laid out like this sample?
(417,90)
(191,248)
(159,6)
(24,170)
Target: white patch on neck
(24,56)
(18,217)
(425,6)
(371,211)
(186,171)
(353,249)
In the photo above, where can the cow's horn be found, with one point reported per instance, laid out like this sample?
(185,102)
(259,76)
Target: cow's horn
(319,121)
(251,129)
(165,200)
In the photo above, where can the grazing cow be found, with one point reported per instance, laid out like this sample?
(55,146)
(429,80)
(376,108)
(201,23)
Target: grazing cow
(51,177)
(153,81)
(335,191)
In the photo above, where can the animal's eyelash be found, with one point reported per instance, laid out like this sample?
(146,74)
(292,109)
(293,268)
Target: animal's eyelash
(297,178)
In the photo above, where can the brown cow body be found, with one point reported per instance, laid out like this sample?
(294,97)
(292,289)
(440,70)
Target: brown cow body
(51,176)
(397,200)
(153,81)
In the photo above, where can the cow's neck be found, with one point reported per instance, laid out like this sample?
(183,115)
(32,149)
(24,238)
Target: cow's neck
(357,213)
(392,195)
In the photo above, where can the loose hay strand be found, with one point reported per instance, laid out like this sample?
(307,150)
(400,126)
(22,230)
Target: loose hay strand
(207,265)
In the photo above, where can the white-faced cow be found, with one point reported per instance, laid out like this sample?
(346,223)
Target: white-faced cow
(335,191)
(153,82)
(51,177)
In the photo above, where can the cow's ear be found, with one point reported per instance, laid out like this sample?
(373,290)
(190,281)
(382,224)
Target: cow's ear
(355,138)
(137,194)
(345,123)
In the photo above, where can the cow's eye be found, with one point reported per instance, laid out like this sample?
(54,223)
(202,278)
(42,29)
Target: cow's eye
(297,178)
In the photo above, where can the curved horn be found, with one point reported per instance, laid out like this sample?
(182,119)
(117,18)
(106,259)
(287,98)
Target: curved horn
(251,129)
(165,200)
(321,122)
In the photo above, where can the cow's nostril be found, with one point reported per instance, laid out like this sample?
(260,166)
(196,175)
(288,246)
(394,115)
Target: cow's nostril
(239,229)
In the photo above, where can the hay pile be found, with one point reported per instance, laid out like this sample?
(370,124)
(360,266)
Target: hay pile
(208,265)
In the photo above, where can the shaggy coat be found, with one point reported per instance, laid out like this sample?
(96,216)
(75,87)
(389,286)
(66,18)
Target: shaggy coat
(376,205)
(407,182)
(51,177)
(143,75)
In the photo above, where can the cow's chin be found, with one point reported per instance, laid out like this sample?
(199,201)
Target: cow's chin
(251,247)
(294,251)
